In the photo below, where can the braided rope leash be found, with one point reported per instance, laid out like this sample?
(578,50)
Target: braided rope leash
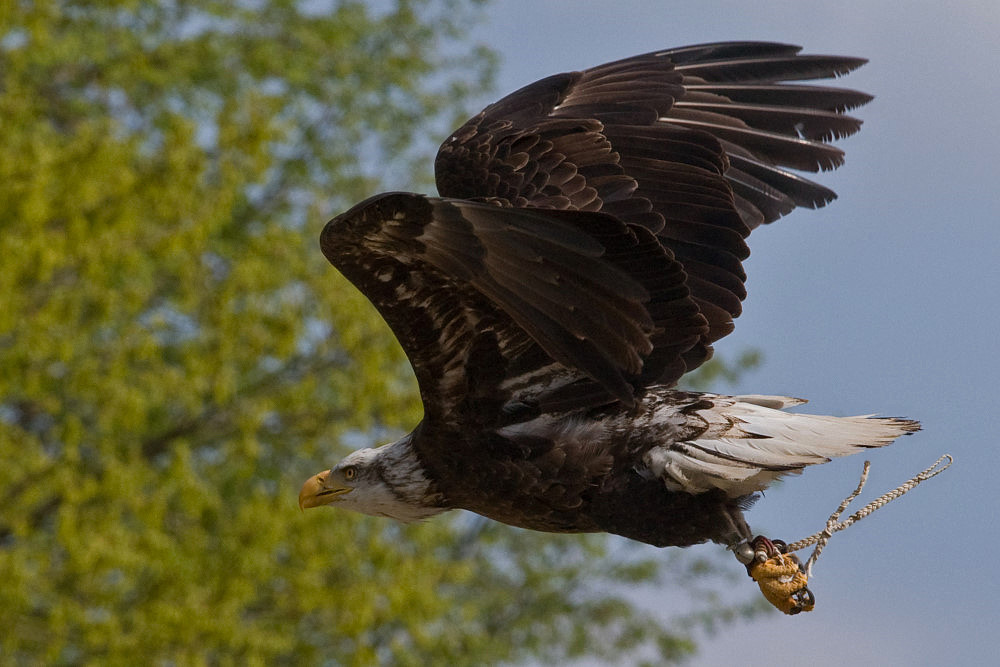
(778,572)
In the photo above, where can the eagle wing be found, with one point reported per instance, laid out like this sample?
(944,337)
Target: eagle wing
(502,309)
(694,144)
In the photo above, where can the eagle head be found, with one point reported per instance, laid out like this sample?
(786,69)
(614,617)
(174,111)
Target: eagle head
(385,481)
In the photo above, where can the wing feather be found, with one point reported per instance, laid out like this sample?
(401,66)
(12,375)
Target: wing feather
(696,144)
(584,290)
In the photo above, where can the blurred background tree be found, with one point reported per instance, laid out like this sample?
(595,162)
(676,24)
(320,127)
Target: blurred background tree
(176,356)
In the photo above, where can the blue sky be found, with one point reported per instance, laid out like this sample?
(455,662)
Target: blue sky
(884,302)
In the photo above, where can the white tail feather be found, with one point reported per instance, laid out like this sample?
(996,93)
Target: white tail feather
(750,442)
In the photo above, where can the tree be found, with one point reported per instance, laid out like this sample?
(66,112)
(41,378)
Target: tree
(176,356)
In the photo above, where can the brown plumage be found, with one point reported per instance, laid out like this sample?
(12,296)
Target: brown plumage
(585,254)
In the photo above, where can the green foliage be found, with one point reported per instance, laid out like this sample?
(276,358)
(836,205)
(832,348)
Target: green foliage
(176,357)
(716,371)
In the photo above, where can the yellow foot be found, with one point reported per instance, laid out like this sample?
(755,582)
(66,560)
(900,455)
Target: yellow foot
(778,574)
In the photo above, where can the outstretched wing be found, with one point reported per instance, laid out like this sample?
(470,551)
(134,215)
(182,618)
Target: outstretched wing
(503,308)
(694,144)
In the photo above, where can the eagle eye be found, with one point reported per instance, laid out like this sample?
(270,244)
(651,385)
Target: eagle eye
(350,472)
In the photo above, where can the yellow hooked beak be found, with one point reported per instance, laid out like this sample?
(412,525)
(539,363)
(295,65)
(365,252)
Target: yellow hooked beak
(315,491)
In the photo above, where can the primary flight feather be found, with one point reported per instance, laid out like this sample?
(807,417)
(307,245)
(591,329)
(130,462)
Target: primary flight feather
(585,253)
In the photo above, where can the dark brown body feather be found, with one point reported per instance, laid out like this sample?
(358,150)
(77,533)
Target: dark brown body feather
(586,255)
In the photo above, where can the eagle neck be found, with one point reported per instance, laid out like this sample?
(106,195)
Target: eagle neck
(399,466)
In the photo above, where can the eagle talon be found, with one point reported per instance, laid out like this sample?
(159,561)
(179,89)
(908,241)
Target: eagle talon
(804,600)
(780,576)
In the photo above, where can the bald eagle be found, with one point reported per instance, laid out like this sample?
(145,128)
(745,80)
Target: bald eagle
(584,254)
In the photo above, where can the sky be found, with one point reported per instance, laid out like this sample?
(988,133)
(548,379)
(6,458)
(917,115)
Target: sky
(884,302)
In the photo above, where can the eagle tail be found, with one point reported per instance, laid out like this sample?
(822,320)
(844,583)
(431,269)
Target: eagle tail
(750,441)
